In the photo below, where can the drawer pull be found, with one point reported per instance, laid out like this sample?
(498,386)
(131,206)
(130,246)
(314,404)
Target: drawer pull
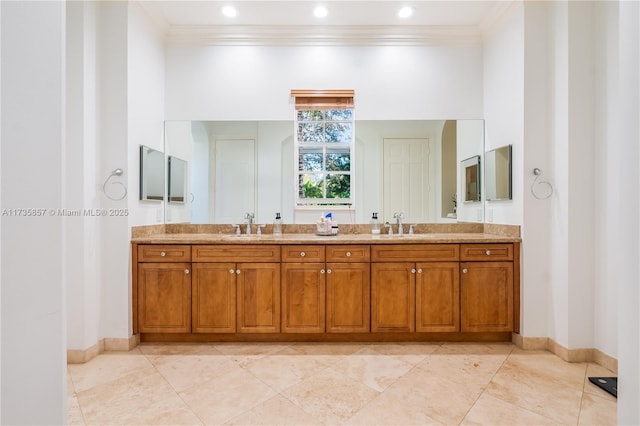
(238,271)
(348,254)
(488,252)
(231,271)
(322,271)
(464,271)
(419,270)
(301,254)
(186,272)
(163,254)
(413,271)
(328,271)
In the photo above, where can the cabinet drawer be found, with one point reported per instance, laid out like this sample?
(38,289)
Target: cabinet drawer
(415,252)
(236,253)
(303,253)
(164,253)
(486,252)
(342,253)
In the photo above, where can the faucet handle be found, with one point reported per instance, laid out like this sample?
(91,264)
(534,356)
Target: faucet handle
(259,231)
(237,228)
(411,228)
(388,225)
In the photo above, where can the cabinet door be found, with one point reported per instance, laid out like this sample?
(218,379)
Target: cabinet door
(487,296)
(348,297)
(393,288)
(303,297)
(214,298)
(164,297)
(438,297)
(258,307)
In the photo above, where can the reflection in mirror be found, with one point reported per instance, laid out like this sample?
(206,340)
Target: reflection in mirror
(151,174)
(498,173)
(471,178)
(239,167)
(176,179)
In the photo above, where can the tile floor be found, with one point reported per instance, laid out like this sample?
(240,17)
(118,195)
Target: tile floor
(326,383)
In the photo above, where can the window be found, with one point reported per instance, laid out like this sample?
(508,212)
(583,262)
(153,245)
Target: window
(324,140)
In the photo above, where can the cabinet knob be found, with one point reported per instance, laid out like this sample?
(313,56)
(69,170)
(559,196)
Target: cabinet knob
(348,254)
(231,271)
(322,271)
(186,272)
(328,271)
(464,271)
(413,271)
(301,254)
(419,270)
(488,252)
(238,271)
(163,254)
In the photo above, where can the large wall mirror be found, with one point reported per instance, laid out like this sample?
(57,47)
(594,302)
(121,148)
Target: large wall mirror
(409,166)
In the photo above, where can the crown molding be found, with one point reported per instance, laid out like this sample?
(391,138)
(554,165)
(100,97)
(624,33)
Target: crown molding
(281,35)
(497,16)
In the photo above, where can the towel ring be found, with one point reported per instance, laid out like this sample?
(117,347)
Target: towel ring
(116,172)
(537,172)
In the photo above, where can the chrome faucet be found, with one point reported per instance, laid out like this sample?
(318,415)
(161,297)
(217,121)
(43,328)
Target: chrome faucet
(249,219)
(398,217)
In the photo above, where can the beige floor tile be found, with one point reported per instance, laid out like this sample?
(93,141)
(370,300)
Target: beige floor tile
(227,396)
(372,368)
(71,390)
(595,370)
(275,411)
(329,396)
(244,353)
(543,384)
(285,368)
(475,348)
(105,368)
(74,413)
(493,411)
(185,371)
(141,397)
(411,353)
(598,411)
(464,369)
(172,348)
(435,397)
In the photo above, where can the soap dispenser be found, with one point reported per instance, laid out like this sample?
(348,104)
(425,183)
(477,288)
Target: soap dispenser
(277,225)
(375,224)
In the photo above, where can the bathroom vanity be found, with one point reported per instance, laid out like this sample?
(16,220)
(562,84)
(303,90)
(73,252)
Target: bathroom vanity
(304,287)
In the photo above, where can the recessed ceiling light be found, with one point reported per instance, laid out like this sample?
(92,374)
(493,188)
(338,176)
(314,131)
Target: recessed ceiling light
(320,12)
(405,12)
(229,11)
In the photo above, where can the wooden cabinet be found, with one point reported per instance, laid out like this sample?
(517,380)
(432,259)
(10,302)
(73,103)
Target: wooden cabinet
(230,297)
(348,284)
(420,294)
(437,297)
(303,289)
(487,288)
(163,289)
(393,292)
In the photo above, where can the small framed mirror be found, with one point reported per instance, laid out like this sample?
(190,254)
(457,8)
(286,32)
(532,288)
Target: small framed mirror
(471,179)
(498,181)
(151,174)
(177,179)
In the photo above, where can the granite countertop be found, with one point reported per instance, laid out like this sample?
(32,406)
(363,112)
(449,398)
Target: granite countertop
(310,238)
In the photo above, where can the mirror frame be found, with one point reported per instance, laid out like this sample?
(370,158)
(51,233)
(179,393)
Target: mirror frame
(468,166)
(151,174)
(176,179)
(492,176)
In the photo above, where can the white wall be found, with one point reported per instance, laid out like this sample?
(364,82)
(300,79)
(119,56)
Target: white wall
(254,82)
(33,247)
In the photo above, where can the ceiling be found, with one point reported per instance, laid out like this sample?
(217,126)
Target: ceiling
(292,22)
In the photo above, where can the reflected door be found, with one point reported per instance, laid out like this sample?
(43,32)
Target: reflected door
(235,172)
(407,180)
